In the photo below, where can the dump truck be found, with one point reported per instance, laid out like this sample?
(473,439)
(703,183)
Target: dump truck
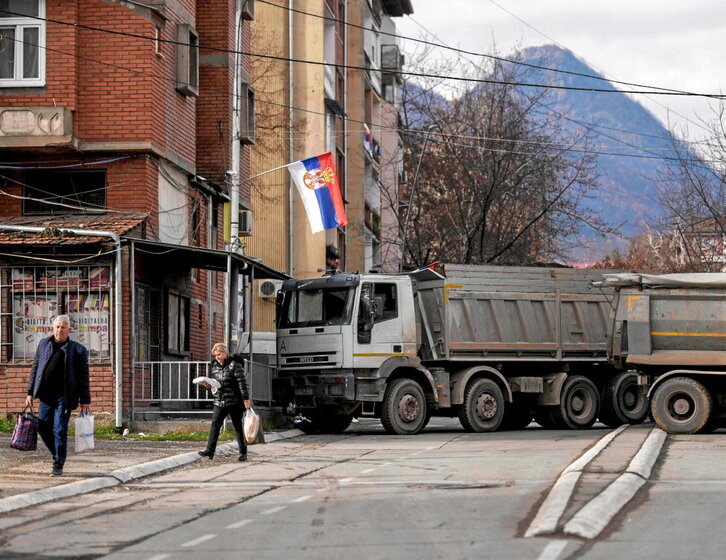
(496,346)
(670,330)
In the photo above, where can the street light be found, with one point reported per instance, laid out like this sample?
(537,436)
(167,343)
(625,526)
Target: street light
(414,188)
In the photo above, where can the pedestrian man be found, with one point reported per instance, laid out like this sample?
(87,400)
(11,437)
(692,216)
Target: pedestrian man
(59,379)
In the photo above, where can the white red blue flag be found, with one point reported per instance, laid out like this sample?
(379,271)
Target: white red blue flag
(319,189)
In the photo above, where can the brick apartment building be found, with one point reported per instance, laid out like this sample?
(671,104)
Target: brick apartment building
(120,148)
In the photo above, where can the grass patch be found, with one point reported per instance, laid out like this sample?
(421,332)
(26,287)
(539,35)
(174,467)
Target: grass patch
(7,424)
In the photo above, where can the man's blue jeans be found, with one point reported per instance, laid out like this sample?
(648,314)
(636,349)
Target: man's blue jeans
(53,428)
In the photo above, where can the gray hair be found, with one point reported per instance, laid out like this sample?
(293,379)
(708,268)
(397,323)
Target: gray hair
(62,319)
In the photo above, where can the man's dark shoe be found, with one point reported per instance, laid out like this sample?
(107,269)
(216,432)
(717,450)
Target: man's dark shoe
(242,457)
(57,470)
(206,453)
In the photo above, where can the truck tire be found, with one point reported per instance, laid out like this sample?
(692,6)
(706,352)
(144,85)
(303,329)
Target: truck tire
(681,405)
(579,404)
(404,410)
(483,407)
(516,417)
(623,401)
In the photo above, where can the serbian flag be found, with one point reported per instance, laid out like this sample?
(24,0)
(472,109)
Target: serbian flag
(318,186)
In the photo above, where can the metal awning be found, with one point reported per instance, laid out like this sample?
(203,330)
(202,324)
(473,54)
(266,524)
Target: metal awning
(200,257)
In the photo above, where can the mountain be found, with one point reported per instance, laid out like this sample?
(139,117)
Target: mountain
(616,124)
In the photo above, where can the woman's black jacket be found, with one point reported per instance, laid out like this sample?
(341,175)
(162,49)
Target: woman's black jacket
(231,377)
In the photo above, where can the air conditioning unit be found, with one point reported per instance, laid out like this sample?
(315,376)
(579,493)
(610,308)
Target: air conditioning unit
(268,288)
(245,223)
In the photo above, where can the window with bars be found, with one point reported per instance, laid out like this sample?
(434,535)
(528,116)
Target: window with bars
(32,296)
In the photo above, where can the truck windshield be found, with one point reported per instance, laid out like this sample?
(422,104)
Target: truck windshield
(311,308)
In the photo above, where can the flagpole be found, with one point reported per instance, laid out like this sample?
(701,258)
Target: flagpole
(266,172)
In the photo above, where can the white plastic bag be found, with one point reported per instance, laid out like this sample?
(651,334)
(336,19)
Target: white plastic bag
(84,432)
(253,428)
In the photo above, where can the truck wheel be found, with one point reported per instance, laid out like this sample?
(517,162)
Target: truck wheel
(579,404)
(516,416)
(681,405)
(623,401)
(404,409)
(483,407)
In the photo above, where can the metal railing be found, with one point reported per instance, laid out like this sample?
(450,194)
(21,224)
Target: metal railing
(167,388)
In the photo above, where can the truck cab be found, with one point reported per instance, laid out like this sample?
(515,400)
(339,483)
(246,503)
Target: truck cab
(335,337)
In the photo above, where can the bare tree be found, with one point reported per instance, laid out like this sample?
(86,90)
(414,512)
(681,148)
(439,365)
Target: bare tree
(489,181)
(692,194)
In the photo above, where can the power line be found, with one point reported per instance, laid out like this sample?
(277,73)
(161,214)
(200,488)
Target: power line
(604,73)
(285,106)
(466,52)
(654,90)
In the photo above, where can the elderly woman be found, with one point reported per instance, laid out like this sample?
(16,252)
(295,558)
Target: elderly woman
(228,400)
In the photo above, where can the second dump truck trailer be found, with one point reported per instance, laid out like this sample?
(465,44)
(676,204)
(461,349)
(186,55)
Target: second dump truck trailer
(671,328)
(495,346)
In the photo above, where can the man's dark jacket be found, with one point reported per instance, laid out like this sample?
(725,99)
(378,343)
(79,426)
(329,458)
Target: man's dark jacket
(231,377)
(76,384)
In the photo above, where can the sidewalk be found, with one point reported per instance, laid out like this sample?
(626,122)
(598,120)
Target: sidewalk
(26,476)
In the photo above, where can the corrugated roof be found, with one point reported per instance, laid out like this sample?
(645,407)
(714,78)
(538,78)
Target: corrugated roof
(56,228)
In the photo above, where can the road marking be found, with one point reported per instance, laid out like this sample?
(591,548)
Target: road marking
(302,498)
(159,557)
(272,510)
(367,471)
(199,540)
(553,550)
(345,480)
(239,524)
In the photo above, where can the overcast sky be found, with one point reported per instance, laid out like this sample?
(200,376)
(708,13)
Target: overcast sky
(675,44)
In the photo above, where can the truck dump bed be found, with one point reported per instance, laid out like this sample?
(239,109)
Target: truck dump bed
(514,313)
(671,319)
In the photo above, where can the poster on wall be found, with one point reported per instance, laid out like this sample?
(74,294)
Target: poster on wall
(89,315)
(23,279)
(32,321)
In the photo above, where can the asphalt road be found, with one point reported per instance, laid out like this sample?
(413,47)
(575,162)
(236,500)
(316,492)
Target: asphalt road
(364,494)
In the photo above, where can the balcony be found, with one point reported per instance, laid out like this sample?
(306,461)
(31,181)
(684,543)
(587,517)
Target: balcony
(391,63)
(35,127)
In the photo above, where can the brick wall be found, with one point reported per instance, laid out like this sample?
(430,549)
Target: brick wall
(14,388)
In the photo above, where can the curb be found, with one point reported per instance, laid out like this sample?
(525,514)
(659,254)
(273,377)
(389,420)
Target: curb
(598,512)
(548,516)
(121,476)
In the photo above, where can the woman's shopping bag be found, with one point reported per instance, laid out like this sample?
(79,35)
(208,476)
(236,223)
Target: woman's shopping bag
(25,432)
(253,428)
(84,432)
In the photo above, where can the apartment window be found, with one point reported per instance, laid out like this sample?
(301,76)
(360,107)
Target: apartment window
(22,43)
(247,114)
(63,192)
(177,340)
(31,297)
(187,60)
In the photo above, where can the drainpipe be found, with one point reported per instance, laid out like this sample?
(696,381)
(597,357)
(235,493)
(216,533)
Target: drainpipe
(291,139)
(118,354)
